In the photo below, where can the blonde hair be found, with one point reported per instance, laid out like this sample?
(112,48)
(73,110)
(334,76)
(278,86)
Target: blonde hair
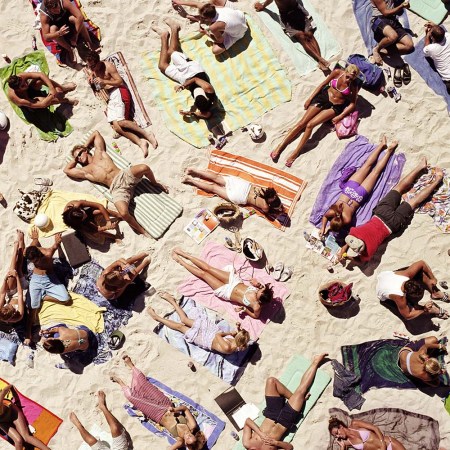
(242,338)
(353,69)
(432,367)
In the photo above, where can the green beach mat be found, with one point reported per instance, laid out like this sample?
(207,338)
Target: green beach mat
(433,10)
(291,377)
(304,64)
(248,80)
(49,123)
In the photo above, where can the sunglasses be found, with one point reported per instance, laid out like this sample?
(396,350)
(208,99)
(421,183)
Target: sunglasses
(77,156)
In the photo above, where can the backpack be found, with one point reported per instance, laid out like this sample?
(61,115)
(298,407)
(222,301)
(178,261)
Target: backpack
(28,204)
(348,126)
(374,76)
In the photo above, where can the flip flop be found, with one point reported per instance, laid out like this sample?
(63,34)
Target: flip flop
(442,314)
(116,340)
(397,77)
(287,273)
(43,181)
(444,298)
(406,75)
(444,285)
(278,270)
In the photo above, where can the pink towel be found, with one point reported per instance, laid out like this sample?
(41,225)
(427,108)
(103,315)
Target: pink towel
(219,256)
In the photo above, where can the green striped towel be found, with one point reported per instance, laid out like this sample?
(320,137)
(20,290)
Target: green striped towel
(248,80)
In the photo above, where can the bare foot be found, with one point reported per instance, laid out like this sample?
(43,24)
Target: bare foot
(163,187)
(74,419)
(173,24)
(152,313)
(175,256)
(115,379)
(392,147)
(159,31)
(190,171)
(319,358)
(68,87)
(423,164)
(101,399)
(127,360)
(439,174)
(143,144)
(151,138)
(324,65)
(70,101)
(383,141)
(166,296)
(376,56)
(187,179)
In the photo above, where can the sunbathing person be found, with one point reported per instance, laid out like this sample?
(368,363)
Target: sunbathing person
(104,75)
(203,331)
(156,406)
(406,287)
(282,412)
(92,219)
(14,423)
(188,73)
(12,304)
(235,190)
(120,438)
(61,339)
(333,99)
(390,216)
(361,435)
(415,361)
(356,191)
(298,24)
(120,274)
(100,168)
(227,285)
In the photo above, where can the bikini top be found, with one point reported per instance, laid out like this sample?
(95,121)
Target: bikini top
(245,300)
(334,85)
(364,435)
(179,419)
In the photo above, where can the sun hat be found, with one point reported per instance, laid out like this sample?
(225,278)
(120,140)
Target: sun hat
(356,246)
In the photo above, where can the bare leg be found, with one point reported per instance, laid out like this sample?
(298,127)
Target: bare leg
(405,45)
(390,36)
(128,362)
(114,425)
(183,317)
(117,380)
(63,43)
(407,181)
(206,186)
(311,47)
(427,191)
(167,322)
(142,170)
(122,208)
(85,435)
(164,56)
(275,388)
(361,174)
(175,45)
(22,427)
(206,175)
(19,262)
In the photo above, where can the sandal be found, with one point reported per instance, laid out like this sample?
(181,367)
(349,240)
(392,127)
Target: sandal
(442,314)
(287,273)
(443,284)
(445,298)
(406,75)
(278,270)
(397,77)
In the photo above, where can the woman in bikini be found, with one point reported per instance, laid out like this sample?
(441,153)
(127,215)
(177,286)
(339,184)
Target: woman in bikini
(61,339)
(333,100)
(156,406)
(357,189)
(361,435)
(227,285)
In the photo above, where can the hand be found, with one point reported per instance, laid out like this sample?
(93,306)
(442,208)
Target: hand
(27,342)
(34,233)
(428,307)
(99,82)
(258,6)
(405,4)
(58,238)
(186,113)
(239,309)
(12,273)
(268,440)
(64,30)
(179,87)
(336,120)
(307,104)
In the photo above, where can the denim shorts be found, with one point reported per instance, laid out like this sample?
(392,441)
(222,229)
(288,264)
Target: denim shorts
(45,285)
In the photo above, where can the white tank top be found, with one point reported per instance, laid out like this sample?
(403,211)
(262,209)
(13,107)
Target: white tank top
(235,23)
(389,283)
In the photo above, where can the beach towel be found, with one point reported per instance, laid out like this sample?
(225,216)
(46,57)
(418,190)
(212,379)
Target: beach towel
(248,80)
(43,421)
(227,367)
(53,206)
(49,122)
(291,377)
(414,431)
(303,63)
(376,362)
(354,155)
(432,10)
(219,256)
(289,187)
(208,422)
(438,206)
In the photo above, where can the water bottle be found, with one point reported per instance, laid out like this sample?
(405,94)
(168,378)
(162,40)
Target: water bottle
(30,359)
(234,435)
(394,93)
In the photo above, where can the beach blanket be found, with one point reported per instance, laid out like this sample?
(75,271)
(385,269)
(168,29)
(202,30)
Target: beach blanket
(219,256)
(354,155)
(9,343)
(414,431)
(291,377)
(433,10)
(44,421)
(227,367)
(208,422)
(289,187)
(248,80)
(376,362)
(49,122)
(426,70)
(438,206)
(303,63)
(53,206)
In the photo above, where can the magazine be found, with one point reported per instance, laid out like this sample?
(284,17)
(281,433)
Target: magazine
(328,248)
(201,225)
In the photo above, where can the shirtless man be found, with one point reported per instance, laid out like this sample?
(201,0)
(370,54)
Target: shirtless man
(281,413)
(298,25)
(104,75)
(100,168)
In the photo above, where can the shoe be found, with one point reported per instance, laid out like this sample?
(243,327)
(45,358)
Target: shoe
(278,270)
(406,75)
(287,273)
(398,76)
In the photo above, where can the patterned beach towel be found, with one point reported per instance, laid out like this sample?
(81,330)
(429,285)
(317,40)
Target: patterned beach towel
(208,422)
(248,80)
(288,187)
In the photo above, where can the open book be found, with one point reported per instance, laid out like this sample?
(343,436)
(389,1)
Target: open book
(201,225)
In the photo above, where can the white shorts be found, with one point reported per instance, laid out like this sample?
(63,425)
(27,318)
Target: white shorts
(180,69)
(121,442)
(116,109)
(224,292)
(237,189)
(229,41)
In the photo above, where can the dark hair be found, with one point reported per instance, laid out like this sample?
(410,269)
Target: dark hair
(275,204)
(51,3)
(202,103)
(200,442)
(208,11)
(114,281)
(8,312)
(267,294)
(92,56)
(54,346)
(14,81)
(33,253)
(437,33)
(73,217)
(414,290)
(334,422)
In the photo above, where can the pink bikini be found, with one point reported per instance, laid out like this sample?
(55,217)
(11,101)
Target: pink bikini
(364,435)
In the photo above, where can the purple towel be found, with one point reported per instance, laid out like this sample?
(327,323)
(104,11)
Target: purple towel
(354,155)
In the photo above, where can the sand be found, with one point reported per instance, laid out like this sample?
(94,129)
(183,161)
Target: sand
(419,121)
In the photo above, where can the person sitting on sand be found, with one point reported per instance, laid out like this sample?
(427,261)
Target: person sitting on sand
(63,22)
(120,274)
(227,285)
(415,361)
(104,75)
(360,434)
(298,24)
(203,331)
(188,73)
(91,219)
(235,190)
(100,168)
(390,216)
(282,412)
(12,305)
(333,99)
(407,286)
(356,191)
(61,339)
(437,47)
(121,440)
(14,423)
(156,406)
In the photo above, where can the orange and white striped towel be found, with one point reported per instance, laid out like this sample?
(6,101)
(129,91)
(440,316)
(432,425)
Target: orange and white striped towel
(288,187)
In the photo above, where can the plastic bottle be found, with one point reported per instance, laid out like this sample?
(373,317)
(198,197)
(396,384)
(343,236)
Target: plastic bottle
(234,435)
(394,93)
(33,43)
(30,359)
(116,147)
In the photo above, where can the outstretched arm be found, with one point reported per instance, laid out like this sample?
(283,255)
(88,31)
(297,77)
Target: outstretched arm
(96,140)
(416,268)
(382,7)
(260,6)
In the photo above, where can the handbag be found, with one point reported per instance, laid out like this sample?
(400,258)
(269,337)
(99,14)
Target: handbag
(338,292)
(252,250)
(28,204)
(348,126)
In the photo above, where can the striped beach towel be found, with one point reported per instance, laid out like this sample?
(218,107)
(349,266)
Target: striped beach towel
(248,80)
(289,187)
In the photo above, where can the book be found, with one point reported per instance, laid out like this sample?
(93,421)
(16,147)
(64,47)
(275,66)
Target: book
(328,248)
(202,225)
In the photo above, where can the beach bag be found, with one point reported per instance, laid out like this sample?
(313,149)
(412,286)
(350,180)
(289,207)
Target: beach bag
(338,292)
(28,204)
(348,126)
(373,74)
(252,250)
